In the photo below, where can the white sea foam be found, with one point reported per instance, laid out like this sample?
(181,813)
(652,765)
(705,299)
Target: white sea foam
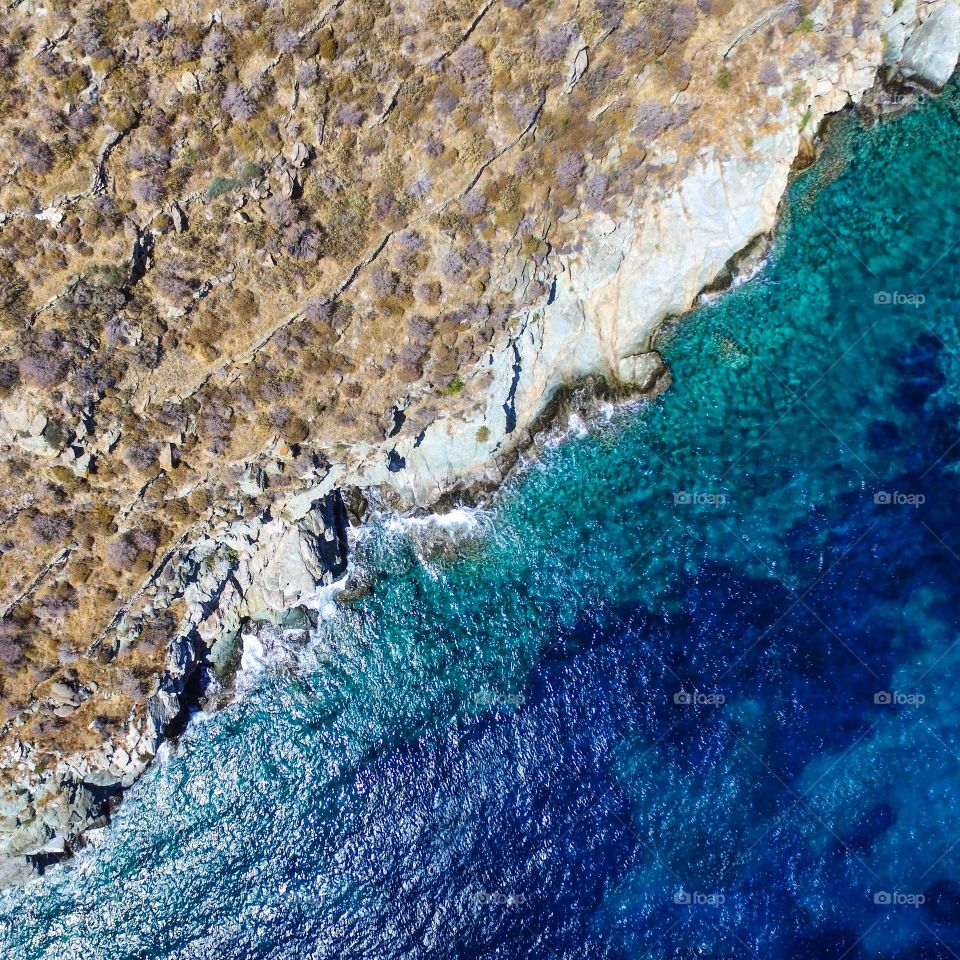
(460,520)
(324,601)
(270,648)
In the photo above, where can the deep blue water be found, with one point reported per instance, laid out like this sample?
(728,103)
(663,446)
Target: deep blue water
(494,756)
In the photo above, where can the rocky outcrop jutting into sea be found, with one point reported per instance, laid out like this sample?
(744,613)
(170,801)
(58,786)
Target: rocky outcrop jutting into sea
(258,262)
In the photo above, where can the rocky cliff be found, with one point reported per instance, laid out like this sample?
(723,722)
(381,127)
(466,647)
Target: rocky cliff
(256,255)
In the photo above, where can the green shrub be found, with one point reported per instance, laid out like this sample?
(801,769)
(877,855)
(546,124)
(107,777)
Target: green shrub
(251,172)
(222,185)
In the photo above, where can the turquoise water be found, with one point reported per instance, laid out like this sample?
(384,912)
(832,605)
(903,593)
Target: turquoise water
(496,757)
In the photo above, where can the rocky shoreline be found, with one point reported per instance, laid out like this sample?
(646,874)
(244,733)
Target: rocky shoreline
(604,300)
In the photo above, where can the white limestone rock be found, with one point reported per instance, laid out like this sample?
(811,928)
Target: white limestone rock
(930,54)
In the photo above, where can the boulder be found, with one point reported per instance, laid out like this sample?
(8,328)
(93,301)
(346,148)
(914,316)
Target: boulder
(930,55)
(291,571)
(642,370)
(189,82)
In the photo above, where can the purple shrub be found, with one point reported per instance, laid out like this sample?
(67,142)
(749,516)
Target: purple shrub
(523,110)
(216,428)
(419,336)
(8,56)
(10,650)
(595,191)
(472,61)
(146,354)
(302,243)
(146,190)
(653,119)
(769,74)
(420,188)
(122,552)
(636,41)
(172,286)
(42,370)
(599,78)
(141,456)
(329,184)
(216,44)
(9,375)
(409,242)
(139,157)
(236,101)
(46,529)
(611,13)
(350,115)
(445,100)
(385,204)
(279,211)
(57,604)
(279,417)
(286,40)
(683,20)
(477,253)
(185,50)
(86,34)
(318,310)
(452,266)
(308,74)
(82,119)
(382,282)
(428,292)
(552,44)
(35,155)
(172,415)
(145,540)
(132,687)
(91,379)
(432,147)
(116,330)
(154,31)
(569,169)
(66,654)
(474,204)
